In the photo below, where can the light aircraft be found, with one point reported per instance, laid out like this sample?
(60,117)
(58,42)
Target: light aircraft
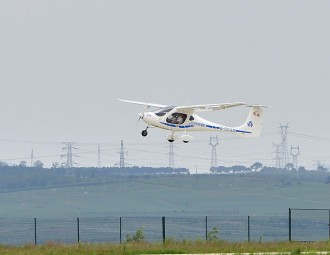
(184,119)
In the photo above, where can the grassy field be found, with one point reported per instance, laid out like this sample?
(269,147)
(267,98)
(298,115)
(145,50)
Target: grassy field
(170,247)
(169,195)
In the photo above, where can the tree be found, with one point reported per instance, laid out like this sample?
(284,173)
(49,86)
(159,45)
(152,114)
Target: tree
(301,169)
(55,165)
(289,166)
(22,164)
(3,164)
(256,166)
(321,169)
(38,164)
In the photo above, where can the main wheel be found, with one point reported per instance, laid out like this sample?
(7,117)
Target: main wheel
(170,140)
(144,133)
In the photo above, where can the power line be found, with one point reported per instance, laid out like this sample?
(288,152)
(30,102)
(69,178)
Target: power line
(323,139)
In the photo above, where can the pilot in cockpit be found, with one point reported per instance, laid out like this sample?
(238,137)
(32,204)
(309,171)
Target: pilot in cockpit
(176,118)
(180,119)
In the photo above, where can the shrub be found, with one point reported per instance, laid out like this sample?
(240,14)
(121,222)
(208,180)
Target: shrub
(137,237)
(213,235)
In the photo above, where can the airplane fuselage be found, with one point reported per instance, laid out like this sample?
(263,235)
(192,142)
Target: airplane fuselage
(192,123)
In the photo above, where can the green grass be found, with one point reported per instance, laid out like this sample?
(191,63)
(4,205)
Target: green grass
(170,247)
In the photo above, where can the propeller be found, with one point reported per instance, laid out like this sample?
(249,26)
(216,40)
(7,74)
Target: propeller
(141,114)
(140,117)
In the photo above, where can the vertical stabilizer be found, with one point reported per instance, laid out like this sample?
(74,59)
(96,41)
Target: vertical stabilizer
(253,124)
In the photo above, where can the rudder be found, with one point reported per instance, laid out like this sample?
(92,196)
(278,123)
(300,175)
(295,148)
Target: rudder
(253,124)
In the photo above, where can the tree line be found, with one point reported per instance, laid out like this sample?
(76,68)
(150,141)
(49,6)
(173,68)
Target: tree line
(21,177)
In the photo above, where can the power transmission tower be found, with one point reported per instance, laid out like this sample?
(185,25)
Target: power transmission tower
(122,155)
(277,154)
(32,159)
(319,165)
(214,142)
(295,152)
(98,156)
(171,156)
(284,145)
(69,154)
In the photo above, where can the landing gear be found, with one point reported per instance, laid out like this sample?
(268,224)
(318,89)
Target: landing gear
(171,137)
(144,132)
(186,138)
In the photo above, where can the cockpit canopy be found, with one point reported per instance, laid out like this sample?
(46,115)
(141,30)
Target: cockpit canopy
(175,118)
(164,111)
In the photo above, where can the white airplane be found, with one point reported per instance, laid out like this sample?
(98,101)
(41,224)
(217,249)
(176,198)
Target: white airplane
(183,119)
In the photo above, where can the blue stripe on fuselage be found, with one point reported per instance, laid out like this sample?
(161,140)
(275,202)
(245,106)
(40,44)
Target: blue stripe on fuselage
(168,124)
(242,131)
(173,125)
(208,126)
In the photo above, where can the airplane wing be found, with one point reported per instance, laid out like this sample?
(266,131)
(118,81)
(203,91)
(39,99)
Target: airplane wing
(143,103)
(208,107)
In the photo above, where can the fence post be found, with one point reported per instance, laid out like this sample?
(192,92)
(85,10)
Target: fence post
(206,228)
(78,230)
(248,228)
(35,231)
(120,229)
(163,227)
(289,224)
(329,224)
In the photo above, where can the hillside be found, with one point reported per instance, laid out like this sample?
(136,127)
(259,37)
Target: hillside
(159,195)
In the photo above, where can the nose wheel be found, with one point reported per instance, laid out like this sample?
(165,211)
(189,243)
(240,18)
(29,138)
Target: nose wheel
(144,132)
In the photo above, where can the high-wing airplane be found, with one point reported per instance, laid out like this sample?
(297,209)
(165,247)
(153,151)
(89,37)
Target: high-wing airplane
(184,119)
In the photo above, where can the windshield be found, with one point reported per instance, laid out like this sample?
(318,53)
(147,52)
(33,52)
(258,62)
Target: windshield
(164,111)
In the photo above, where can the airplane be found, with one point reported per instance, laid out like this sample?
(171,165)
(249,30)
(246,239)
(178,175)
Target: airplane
(184,119)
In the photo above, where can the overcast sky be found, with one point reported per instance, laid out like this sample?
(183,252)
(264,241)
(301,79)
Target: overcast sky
(63,64)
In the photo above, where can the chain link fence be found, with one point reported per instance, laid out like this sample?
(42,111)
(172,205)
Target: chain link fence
(307,225)
(299,226)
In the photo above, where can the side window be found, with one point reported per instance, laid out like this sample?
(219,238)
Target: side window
(177,118)
(191,118)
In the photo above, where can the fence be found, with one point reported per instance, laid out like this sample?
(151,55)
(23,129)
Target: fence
(309,224)
(158,229)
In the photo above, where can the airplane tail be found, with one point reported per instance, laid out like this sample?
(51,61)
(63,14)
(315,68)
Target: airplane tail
(253,125)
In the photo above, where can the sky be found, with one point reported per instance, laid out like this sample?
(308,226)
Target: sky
(63,64)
